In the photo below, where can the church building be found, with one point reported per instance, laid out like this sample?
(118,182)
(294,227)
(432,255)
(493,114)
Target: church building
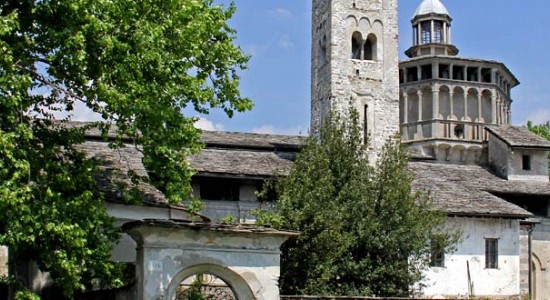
(453,113)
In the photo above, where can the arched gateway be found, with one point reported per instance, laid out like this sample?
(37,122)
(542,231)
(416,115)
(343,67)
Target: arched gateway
(221,280)
(172,256)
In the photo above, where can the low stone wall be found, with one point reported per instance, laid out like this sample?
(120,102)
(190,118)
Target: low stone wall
(346,298)
(389,298)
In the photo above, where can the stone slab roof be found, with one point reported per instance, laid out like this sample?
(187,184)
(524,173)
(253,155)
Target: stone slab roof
(114,165)
(468,189)
(521,137)
(222,139)
(242,162)
(238,228)
(459,189)
(244,140)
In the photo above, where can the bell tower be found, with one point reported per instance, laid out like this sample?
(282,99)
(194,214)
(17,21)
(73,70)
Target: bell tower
(355,60)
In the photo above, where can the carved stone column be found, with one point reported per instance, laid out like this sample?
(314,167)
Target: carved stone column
(494,109)
(435,111)
(420,104)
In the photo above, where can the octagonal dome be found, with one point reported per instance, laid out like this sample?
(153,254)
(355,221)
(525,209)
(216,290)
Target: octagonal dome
(431,7)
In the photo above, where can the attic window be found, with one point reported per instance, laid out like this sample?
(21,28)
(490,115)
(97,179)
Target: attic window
(526,162)
(219,189)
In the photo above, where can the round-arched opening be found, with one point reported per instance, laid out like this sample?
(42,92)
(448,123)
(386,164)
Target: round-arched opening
(356,43)
(459,131)
(369,48)
(207,281)
(204,286)
(536,278)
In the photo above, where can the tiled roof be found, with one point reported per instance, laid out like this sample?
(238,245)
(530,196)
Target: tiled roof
(516,136)
(467,189)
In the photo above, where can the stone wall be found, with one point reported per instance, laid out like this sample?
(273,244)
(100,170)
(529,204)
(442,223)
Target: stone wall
(541,260)
(498,156)
(341,298)
(373,298)
(3,261)
(508,162)
(371,86)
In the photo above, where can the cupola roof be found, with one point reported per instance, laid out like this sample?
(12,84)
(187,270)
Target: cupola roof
(431,7)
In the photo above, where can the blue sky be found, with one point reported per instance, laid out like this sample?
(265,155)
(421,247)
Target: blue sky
(276,33)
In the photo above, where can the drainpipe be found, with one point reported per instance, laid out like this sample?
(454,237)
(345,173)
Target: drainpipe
(530,245)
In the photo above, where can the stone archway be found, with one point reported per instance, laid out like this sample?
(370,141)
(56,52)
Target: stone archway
(236,283)
(245,258)
(536,278)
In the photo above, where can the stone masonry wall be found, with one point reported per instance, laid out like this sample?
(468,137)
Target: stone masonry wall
(3,261)
(371,86)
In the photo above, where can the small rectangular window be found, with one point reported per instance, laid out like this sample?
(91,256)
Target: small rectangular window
(366,124)
(438,31)
(437,256)
(412,74)
(458,72)
(426,32)
(486,75)
(491,253)
(426,72)
(444,71)
(526,162)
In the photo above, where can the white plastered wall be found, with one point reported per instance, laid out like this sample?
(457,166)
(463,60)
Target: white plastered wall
(452,279)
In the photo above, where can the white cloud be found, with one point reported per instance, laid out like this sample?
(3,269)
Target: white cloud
(280,40)
(206,124)
(80,112)
(538,117)
(281,14)
(270,129)
(255,50)
(285,42)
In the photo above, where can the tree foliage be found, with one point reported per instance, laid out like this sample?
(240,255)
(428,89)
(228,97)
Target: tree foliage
(137,63)
(363,232)
(542,130)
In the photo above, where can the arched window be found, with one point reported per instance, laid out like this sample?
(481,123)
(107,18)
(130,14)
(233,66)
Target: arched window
(356,42)
(370,48)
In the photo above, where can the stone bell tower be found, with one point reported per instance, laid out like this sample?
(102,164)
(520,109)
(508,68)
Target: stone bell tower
(355,60)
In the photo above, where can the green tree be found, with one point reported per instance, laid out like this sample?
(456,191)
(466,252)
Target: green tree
(542,130)
(137,63)
(363,232)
